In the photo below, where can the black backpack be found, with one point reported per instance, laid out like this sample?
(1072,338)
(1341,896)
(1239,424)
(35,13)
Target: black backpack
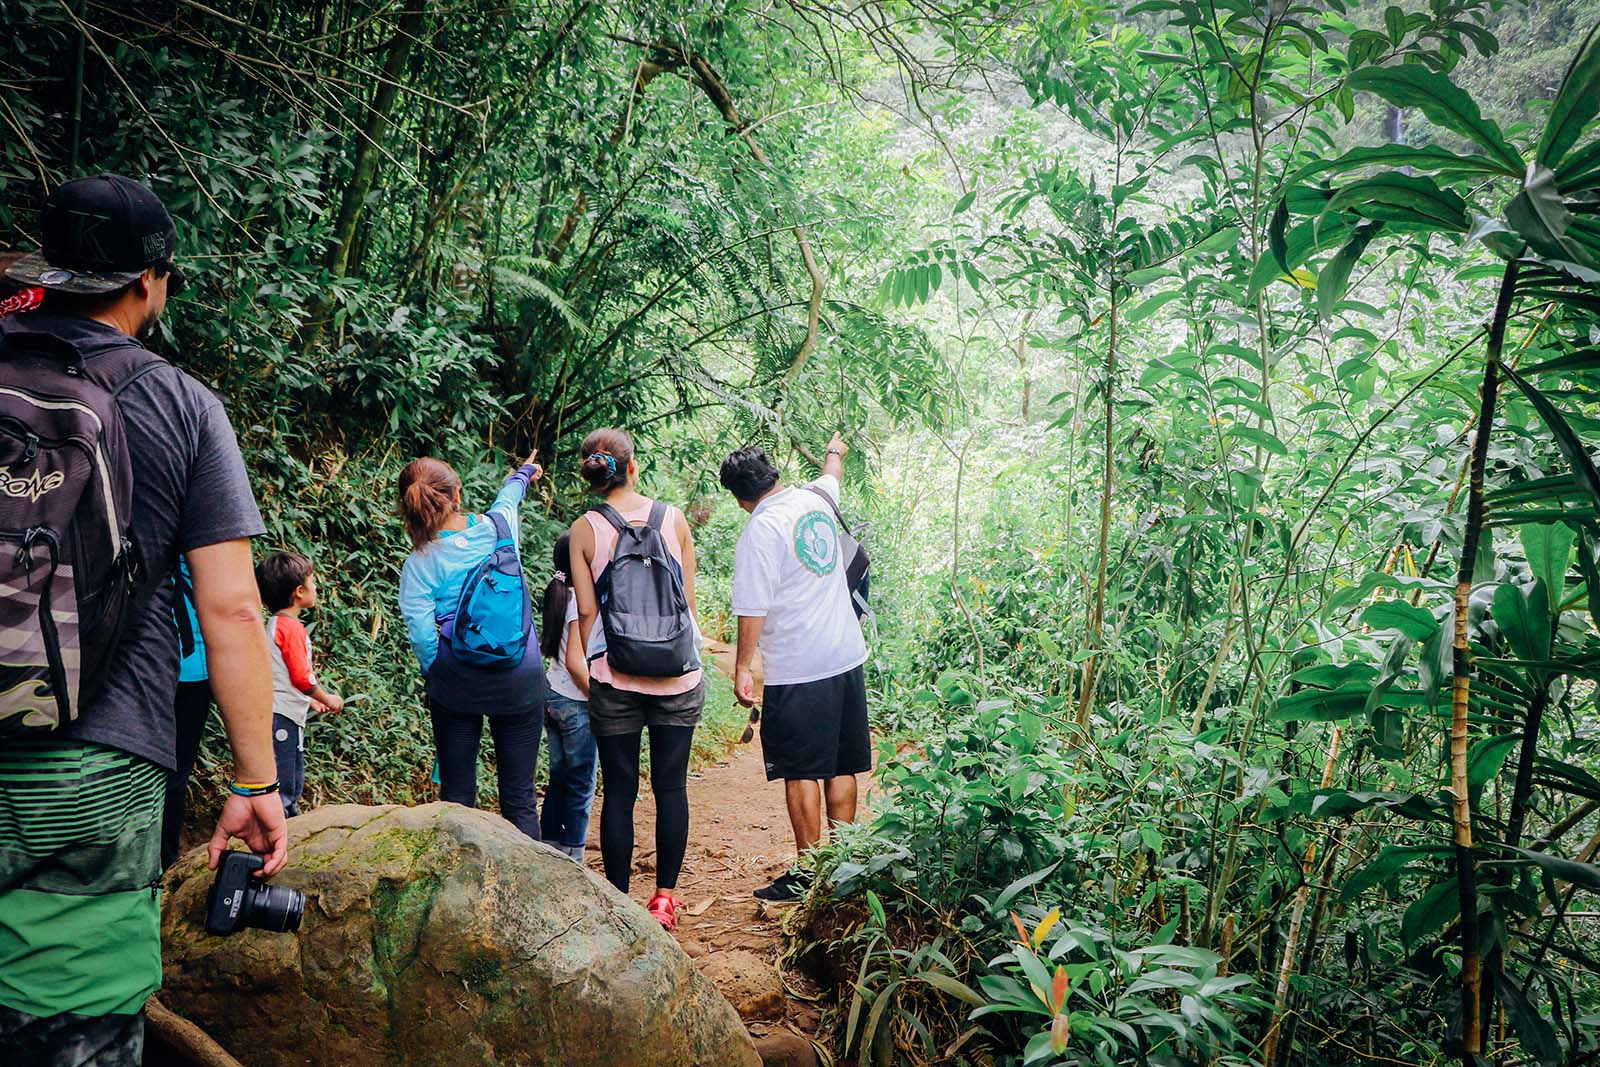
(648,628)
(857,568)
(66,497)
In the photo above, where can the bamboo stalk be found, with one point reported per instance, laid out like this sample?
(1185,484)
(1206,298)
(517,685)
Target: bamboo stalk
(1308,864)
(1461,686)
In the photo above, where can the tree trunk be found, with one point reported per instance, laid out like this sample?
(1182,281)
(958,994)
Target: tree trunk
(1461,685)
(1280,1000)
(1107,474)
(364,169)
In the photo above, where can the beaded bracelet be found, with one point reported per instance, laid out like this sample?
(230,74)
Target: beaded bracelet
(251,789)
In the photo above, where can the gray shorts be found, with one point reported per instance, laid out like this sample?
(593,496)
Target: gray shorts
(614,711)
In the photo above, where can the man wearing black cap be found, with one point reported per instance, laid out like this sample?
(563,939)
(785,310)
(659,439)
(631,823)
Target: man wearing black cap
(81,804)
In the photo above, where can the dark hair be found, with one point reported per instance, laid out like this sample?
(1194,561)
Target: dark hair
(606,455)
(279,575)
(748,474)
(557,594)
(428,489)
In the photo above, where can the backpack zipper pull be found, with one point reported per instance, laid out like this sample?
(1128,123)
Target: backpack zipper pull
(25,553)
(30,448)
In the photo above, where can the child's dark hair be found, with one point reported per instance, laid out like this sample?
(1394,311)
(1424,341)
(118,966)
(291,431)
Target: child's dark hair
(279,575)
(556,595)
(748,474)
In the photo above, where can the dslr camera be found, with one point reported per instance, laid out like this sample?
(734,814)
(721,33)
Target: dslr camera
(238,901)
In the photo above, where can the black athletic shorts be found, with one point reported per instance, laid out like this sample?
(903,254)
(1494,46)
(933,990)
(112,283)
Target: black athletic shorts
(816,729)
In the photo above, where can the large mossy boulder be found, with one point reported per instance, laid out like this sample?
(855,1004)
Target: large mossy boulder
(439,935)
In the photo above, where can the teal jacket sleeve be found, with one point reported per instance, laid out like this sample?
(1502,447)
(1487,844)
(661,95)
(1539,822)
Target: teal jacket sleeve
(416,607)
(510,499)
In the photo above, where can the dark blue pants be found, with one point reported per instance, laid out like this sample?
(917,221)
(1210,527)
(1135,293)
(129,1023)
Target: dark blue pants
(289,747)
(516,758)
(565,819)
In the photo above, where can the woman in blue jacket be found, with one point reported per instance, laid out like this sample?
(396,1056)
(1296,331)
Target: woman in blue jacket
(446,546)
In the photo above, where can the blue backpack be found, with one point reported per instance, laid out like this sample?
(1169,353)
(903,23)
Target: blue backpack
(494,615)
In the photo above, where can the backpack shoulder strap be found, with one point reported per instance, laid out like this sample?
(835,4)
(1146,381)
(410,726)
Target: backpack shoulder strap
(502,528)
(155,362)
(658,515)
(613,516)
(831,505)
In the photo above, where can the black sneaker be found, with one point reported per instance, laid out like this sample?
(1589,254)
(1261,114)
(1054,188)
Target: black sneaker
(788,887)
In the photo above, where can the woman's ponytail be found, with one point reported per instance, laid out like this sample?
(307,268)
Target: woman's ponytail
(606,455)
(429,489)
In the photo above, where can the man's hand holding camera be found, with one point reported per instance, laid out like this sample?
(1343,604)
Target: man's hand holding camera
(257,821)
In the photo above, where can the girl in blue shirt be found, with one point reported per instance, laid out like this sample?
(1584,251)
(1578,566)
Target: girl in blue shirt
(446,546)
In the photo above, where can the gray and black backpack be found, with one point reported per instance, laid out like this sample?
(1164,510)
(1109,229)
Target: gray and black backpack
(67,569)
(649,630)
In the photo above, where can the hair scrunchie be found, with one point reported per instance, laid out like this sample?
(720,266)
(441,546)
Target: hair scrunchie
(610,461)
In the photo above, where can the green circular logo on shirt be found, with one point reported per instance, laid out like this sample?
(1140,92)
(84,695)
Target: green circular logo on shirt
(816,543)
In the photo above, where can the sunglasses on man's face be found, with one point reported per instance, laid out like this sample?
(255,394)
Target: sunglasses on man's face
(176,280)
(750,728)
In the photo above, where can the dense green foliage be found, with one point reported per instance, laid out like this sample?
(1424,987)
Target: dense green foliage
(1205,363)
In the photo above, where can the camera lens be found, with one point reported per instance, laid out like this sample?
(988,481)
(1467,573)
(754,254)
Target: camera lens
(272,907)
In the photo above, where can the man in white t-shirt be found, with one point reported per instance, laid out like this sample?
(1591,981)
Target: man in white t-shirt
(793,602)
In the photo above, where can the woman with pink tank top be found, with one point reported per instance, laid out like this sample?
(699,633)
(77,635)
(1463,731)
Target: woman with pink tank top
(623,706)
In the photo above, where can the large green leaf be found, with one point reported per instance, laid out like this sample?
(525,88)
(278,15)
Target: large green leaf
(1442,102)
(1576,102)
(1524,619)
(1582,875)
(1548,547)
(1440,161)
(1338,803)
(1416,623)
(1536,1036)
(1386,864)
(1429,913)
(1321,705)
(1404,198)
(1487,756)
(1335,277)
(1591,579)
(1583,471)
(1541,217)
(1300,243)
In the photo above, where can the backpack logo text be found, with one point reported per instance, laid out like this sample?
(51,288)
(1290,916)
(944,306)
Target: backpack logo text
(32,487)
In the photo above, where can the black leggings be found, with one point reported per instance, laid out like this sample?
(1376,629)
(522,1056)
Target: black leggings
(669,775)
(516,757)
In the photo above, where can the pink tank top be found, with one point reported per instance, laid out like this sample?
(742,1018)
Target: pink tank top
(605,542)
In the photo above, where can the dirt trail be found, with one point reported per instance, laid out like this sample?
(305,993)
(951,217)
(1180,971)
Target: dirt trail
(739,840)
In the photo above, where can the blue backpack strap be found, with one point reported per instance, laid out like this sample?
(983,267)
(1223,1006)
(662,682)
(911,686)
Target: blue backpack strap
(502,528)
(658,515)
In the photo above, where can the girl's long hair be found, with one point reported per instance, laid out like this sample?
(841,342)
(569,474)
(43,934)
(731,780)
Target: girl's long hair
(428,489)
(556,596)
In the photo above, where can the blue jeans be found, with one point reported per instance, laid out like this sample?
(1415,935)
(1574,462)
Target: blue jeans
(572,765)
(289,747)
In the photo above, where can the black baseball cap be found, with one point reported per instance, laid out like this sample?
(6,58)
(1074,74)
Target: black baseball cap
(100,234)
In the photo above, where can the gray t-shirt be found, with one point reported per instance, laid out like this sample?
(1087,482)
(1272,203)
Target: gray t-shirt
(190,490)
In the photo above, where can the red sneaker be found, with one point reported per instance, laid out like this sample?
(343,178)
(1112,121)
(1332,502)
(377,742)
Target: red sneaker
(664,906)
